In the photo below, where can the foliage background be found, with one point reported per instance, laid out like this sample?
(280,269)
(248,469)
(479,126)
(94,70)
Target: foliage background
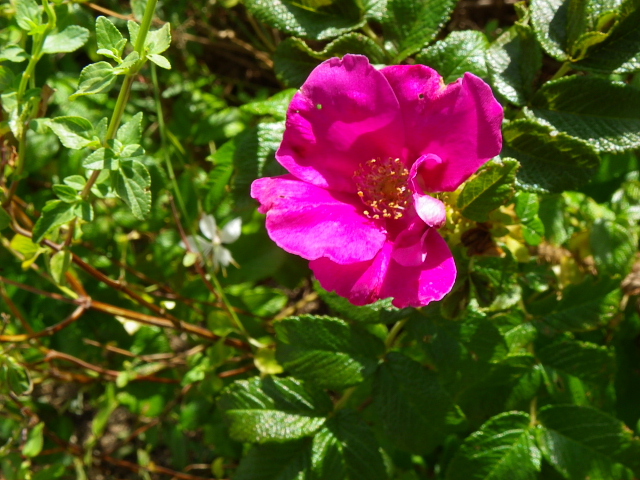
(125,356)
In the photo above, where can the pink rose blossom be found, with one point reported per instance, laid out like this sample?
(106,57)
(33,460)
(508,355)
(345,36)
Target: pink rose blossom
(364,149)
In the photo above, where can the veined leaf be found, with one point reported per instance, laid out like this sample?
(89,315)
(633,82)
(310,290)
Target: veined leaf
(131,183)
(273,409)
(95,78)
(603,113)
(277,461)
(582,442)
(584,360)
(28,15)
(54,214)
(319,22)
(458,53)
(416,412)
(111,43)
(550,161)
(326,351)
(69,40)
(504,447)
(614,247)
(490,188)
(73,132)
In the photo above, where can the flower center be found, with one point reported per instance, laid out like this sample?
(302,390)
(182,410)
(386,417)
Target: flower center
(382,187)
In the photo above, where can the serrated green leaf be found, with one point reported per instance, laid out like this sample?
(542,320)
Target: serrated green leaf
(276,461)
(103,158)
(614,247)
(326,351)
(158,41)
(109,38)
(275,106)
(131,132)
(294,59)
(619,52)
(35,441)
(273,409)
(66,193)
(134,29)
(127,64)
(583,307)
(13,53)
(582,442)
(415,411)
(412,24)
(346,449)
(28,15)
(73,132)
(504,447)
(54,214)
(69,40)
(458,53)
(76,181)
(513,62)
(490,188)
(95,78)
(587,361)
(549,19)
(606,114)
(322,21)
(550,161)
(131,183)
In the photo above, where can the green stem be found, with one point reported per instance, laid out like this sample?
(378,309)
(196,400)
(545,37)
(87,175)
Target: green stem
(563,70)
(340,404)
(394,332)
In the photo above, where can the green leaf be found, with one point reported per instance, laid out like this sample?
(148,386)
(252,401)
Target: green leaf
(69,40)
(28,15)
(273,409)
(5,219)
(134,29)
(13,376)
(412,24)
(54,214)
(550,161)
(584,360)
(127,64)
(158,41)
(66,193)
(606,114)
(583,307)
(35,441)
(582,442)
(95,78)
(458,53)
(159,60)
(488,189)
(76,181)
(549,19)
(275,106)
(73,132)
(276,461)
(131,132)
(613,247)
(111,43)
(619,52)
(527,206)
(346,448)
(415,411)
(13,53)
(59,264)
(101,159)
(513,62)
(320,21)
(294,59)
(24,245)
(504,447)
(326,351)
(131,183)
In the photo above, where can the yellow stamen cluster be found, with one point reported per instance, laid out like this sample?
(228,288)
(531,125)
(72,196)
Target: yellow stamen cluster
(382,187)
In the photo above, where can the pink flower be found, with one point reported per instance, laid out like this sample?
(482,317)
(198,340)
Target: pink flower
(364,147)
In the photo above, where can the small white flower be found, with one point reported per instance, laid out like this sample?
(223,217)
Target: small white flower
(211,246)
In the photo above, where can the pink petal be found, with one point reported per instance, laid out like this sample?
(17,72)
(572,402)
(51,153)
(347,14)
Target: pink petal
(410,286)
(460,123)
(345,114)
(408,247)
(313,222)
(359,282)
(420,285)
